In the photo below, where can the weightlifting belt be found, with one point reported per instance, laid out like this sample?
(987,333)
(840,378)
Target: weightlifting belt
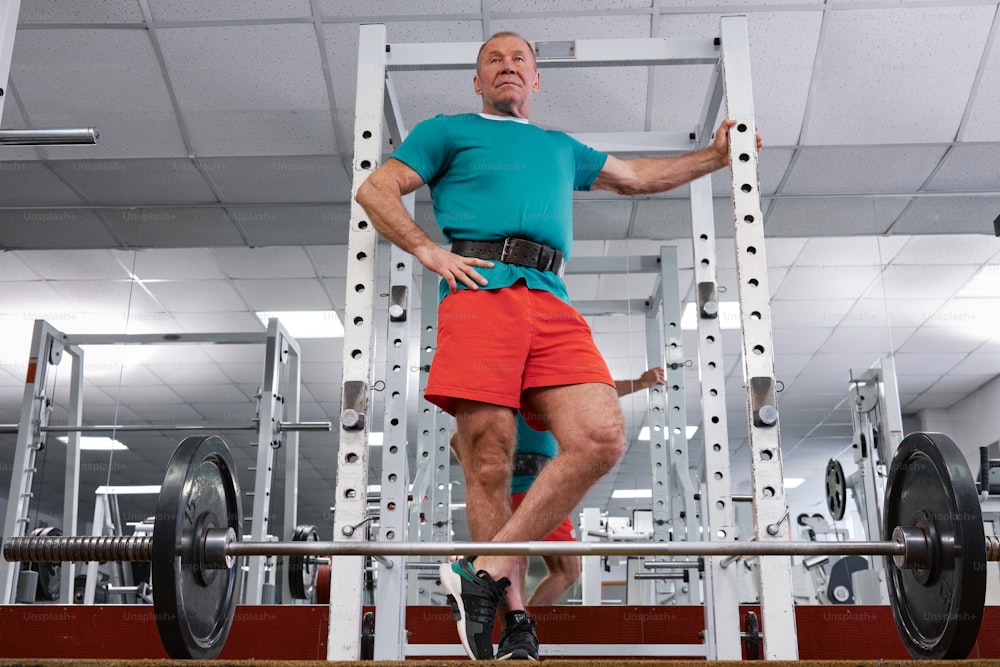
(529,464)
(513,251)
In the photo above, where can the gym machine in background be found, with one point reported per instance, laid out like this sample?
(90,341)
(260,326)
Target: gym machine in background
(275,424)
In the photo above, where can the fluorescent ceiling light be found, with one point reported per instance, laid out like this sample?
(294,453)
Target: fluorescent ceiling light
(793,482)
(986,283)
(98,443)
(729,316)
(307,323)
(632,493)
(688,430)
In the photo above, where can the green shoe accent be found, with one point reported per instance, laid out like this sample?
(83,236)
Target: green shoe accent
(463,567)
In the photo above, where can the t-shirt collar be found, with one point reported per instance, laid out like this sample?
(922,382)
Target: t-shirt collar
(489,116)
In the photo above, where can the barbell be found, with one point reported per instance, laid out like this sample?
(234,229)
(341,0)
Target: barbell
(935,548)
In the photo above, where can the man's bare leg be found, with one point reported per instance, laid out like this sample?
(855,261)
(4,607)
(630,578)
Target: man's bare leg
(562,572)
(486,437)
(587,422)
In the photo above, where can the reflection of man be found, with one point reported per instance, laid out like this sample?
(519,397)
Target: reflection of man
(534,450)
(502,191)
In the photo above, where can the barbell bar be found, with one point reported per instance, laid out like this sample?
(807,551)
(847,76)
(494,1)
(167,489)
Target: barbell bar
(142,428)
(222,545)
(935,551)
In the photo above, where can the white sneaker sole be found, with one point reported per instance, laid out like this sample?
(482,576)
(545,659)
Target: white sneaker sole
(451,582)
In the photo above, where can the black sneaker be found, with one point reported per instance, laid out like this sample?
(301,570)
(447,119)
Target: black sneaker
(473,597)
(518,641)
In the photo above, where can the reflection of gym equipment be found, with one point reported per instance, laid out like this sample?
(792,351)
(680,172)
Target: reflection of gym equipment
(840,588)
(935,556)
(276,401)
(989,473)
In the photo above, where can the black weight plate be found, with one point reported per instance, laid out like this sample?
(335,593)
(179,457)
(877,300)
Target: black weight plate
(368,636)
(840,587)
(836,489)
(195,604)
(938,608)
(752,637)
(302,569)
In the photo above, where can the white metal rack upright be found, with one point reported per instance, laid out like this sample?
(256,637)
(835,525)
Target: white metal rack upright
(729,55)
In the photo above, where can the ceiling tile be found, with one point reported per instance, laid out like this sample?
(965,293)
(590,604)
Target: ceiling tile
(193,10)
(866,339)
(826,282)
(909,282)
(384,8)
(250,90)
(293,225)
(282,262)
(85,74)
(187,227)
(967,168)
(283,294)
(189,296)
(954,215)
(946,249)
(70,11)
(34,184)
(847,251)
(890,314)
(927,363)
(980,123)
(294,179)
(168,264)
(41,229)
(135,182)
(798,340)
(861,170)
(826,216)
(12,268)
(887,75)
(75,264)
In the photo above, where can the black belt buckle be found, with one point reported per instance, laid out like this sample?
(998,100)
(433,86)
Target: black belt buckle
(526,463)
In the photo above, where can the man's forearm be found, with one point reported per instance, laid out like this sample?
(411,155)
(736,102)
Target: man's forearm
(662,174)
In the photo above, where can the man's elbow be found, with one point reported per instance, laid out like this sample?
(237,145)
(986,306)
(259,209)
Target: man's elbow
(365,193)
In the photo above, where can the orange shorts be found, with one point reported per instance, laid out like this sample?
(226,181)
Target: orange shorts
(494,344)
(564,532)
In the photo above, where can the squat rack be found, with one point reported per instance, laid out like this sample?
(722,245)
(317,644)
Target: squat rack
(729,56)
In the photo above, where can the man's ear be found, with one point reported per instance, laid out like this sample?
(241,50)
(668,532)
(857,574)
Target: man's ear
(538,81)
(476,85)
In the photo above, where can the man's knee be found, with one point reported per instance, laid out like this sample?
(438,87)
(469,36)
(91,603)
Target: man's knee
(566,568)
(607,446)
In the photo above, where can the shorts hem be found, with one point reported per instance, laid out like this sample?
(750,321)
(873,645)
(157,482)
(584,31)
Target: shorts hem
(444,398)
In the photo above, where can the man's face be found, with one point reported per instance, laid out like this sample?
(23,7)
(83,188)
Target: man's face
(506,76)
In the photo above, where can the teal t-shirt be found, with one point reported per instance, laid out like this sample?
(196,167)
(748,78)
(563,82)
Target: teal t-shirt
(530,441)
(493,178)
